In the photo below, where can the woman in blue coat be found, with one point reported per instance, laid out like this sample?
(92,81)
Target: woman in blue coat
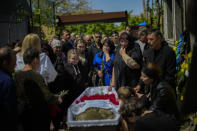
(103,64)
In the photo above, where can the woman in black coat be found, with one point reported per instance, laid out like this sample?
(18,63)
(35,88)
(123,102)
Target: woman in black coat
(127,63)
(160,95)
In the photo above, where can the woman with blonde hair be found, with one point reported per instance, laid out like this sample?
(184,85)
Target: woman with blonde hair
(46,68)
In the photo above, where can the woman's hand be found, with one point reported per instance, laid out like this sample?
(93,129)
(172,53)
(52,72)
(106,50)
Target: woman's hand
(59,100)
(137,88)
(106,51)
(100,73)
(52,127)
(147,112)
(139,95)
(122,51)
(110,87)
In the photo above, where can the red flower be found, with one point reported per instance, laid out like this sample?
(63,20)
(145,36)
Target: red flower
(77,102)
(54,110)
(110,97)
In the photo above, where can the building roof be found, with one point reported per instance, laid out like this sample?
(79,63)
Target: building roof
(92,18)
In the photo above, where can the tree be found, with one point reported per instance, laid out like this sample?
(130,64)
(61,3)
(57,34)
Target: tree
(71,6)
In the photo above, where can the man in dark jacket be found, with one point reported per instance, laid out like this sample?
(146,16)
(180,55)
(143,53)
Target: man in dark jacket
(163,55)
(66,45)
(8,103)
(96,47)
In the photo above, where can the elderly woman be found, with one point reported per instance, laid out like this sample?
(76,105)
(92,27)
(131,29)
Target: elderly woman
(127,63)
(103,63)
(46,68)
(60,58)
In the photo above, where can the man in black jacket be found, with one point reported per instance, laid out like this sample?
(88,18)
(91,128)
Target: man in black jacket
(66,45)
(96,47)
(163,55)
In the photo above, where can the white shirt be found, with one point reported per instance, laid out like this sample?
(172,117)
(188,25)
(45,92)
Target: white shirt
(141,45)
(46,68)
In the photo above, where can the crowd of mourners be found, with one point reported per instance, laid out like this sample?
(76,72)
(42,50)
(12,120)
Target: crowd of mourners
(39,80)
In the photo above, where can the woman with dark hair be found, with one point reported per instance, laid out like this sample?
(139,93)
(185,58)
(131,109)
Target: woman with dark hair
(161,95)
(80,46)
(46,48)
(127,63)
(134,119)
(103,63)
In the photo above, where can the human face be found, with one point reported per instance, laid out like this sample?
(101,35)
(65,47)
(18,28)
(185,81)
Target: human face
(153,41)
(106,47)
(11,64)
(88,40)
(97,38)
(57,50)
(74,59)
(66,36)
(73,37)
(146,79)
(81,47)
(142,37)
(124,42)
(115,38)
(128,29)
